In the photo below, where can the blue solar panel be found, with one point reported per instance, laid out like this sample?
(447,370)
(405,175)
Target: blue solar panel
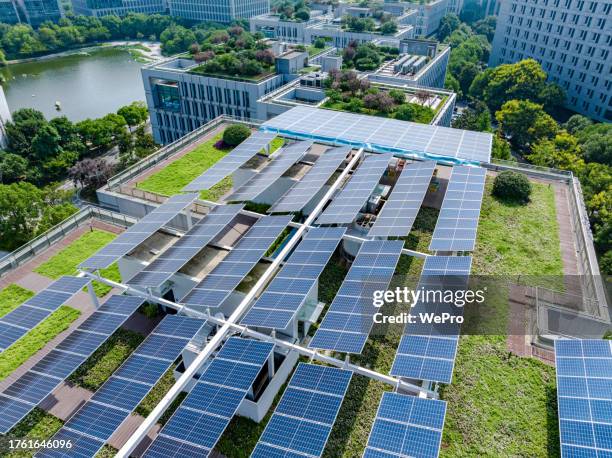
(32,387)
(175,257)
(584,394)
(278,305)
(139,232)
(162,347)
(200,421)
(126,389)
(267,451)
(407,426)
(11,412)
(427,350)
(346,327)
(346,205)
(123,305)
(306,413)
(58,363)
(68,284)
(81,342)
(397,216)
(458,219)
(218,285)
(299,195)
(81,446)
(105,323)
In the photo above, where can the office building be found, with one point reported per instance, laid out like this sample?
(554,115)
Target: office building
(101,8)
(222,11)
(8,12)
(35,12)
(570,38)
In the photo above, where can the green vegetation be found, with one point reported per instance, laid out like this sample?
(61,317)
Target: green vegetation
(346,92)
(235,134)
(512,186)
(500,404)
(176,175)
(38,424)
(297,11)
(156,394)
(106,359)
(314,50)
(37,338)
(66,261)
(12,296)
(367,56)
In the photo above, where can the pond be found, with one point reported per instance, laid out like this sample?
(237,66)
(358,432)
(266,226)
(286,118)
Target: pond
(87,85)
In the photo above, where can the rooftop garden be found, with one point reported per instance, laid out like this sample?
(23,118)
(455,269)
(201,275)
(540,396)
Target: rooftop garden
(232,53)
(367,56)
(12,296)
(385,25)
(178,174)
(346,92)
(287,10)
(66,261)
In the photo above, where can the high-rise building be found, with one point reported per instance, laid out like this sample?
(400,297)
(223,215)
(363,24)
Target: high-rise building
(570,38)
(100,8)
(429,16)
(8,12)
(38,11)
(223,11)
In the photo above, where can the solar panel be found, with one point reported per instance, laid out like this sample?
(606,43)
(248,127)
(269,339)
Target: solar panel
(189,245)
(406,426)
(584,396)
(281,162)
(139,232)
(36,384)
(348,321)
(422,141)
(306,413)
(427,349)
(197,425)
(231,161)
(302,192)
(217,286)
(284,296)
(28,315)
(399,212)
(458,219)
(345,206)
(104,413)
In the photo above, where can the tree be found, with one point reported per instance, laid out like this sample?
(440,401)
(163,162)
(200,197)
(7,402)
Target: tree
(302,14)
(20,132)
(525,123)
(521,81)
(46,143)
(414,112)
(134,114)
(12,167)
(235,134)
(501,148)
(510,185)
(319,43)
(388,28)
(561,152)
(596,142)
(451,83)
(486,27)
(552,96)
(176,39)
(605,263)
(91,173)
(448,24)
(469,71)
(577,123)
(477,118)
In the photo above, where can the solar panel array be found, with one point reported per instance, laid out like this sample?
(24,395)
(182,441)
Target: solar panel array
(384,134)
(303,191)
(221,281)
(197,425)
(306,413)
(282,161)
(406,426)
(584,390)
(95,422)
(398,215)
(231,161)
(427,350)
(21,320)
(38,382)
(348,321)
(284,296)
(346,205)
(190,244)
(458,218)
(139,232)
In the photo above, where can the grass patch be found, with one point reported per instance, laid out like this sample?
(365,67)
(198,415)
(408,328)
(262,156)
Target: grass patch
(178,174)
(38,424)
(157,393)
(37,338)
(500,404)
(66,261)
(106,359)
(12,296)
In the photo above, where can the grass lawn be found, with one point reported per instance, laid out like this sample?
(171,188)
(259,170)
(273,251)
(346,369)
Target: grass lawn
(37,338)
(12,296)
(500,404)
(38,424)
(106,359)
(175,176)
(66,261)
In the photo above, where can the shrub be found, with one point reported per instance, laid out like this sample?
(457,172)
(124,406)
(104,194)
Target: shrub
(319,43)
(150,310)
(235,134)
(512,186)
(605,263)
